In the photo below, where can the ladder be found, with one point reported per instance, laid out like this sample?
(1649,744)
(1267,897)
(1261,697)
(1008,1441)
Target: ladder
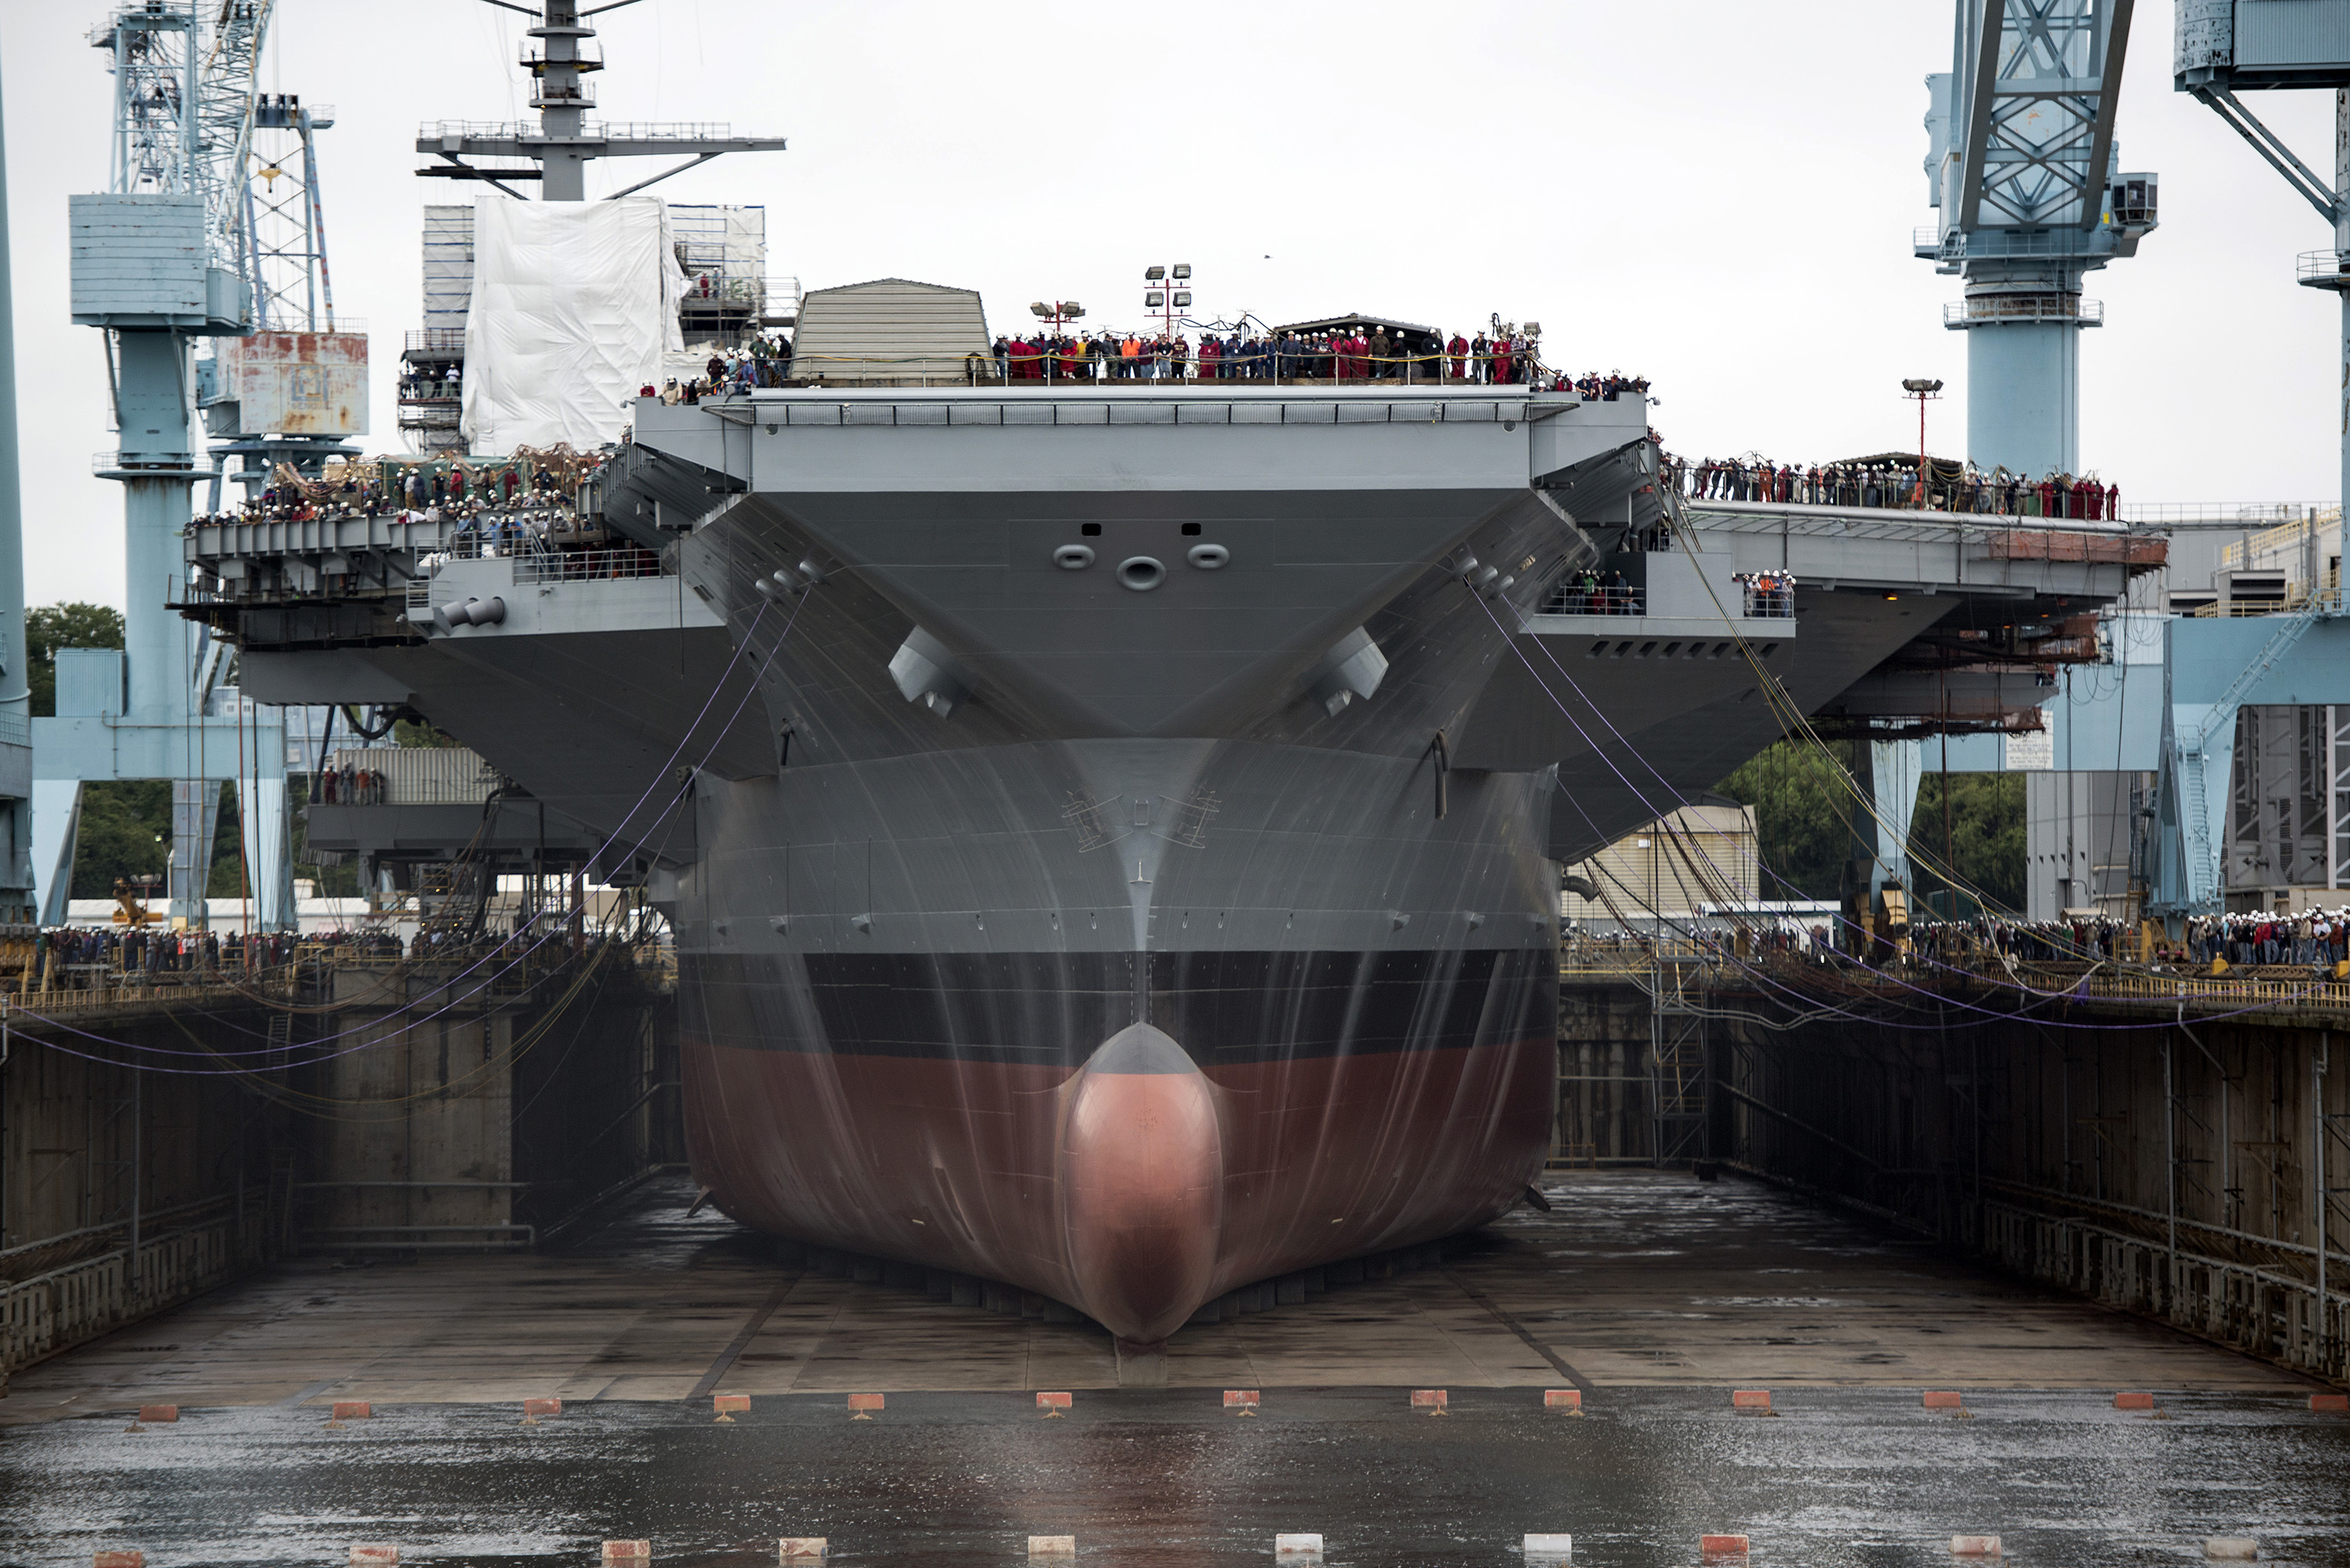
(1677,1059)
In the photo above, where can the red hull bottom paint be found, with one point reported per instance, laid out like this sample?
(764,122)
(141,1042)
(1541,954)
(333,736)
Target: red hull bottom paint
(1135,1190)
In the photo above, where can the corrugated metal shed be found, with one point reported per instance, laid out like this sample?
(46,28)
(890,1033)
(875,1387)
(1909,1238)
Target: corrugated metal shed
(2296,35)
(891,329)
(425,776)
(136,259)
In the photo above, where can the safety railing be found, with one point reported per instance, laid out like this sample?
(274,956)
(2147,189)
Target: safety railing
(2285,538)
(81,1299)
(2324,269)
(2297,596)
(66,989)
(437,341)
(589,131)
(1993,501)
(103,464)
(587,565)
(2260,514)
(1573,598)
(2023,308)
(2299,987)
(489,1238)
(1271,367)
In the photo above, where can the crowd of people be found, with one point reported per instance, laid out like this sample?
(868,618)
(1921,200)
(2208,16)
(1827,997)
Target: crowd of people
(1891,481)
(1769,596)
(346,786)
(2314,939)
(2311,938)
(1589,591)
(525,503)
(1349,354)
(731,371)
(82,958)
(1507,357)
(73,956)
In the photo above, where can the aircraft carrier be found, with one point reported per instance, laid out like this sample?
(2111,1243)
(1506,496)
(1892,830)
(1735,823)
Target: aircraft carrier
(1112,831)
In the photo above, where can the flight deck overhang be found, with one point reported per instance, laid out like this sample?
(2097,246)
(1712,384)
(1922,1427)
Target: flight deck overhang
(1139,437)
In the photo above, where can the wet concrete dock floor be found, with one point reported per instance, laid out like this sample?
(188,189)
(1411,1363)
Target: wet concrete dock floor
(1658,1294)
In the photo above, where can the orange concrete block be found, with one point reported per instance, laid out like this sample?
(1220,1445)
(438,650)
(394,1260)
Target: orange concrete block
(731,1404)
(154,1415)
(118,1559)
(2330,1404)
(802,1549)
(1942,1399)
(865,1404)
(542,1406)
(2132,1401)
(1563,1398)
(1722,1548)
(351,1410)
(1053,1404)
(1975,1546)
(1240,1399)
(627,1552)
(1750,1399)
(1430,1398)
(379,1552)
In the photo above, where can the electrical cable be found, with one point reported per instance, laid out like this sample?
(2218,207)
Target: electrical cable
(750,632)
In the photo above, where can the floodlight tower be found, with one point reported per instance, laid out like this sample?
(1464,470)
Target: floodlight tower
(158,260)
(2022,167)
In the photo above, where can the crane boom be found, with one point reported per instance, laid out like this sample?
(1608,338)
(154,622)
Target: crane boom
(225,91)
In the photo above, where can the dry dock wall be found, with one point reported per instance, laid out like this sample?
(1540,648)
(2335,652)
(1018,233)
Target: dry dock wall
(379,1110)
(2186,1171)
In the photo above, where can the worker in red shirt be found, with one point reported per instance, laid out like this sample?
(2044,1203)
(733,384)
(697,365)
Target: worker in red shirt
(1459,349)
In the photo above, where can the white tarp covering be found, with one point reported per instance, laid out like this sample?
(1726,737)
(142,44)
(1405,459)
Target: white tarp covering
(574,303)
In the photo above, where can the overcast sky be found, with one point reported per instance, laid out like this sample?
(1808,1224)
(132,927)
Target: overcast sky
(1716,193)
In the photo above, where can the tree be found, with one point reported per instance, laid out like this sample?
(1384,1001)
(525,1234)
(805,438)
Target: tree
(53,626)
(1806,807)
(1986,839)
(126,832)
(416,732)
(1803,816)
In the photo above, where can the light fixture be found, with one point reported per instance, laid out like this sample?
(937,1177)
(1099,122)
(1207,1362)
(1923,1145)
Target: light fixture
(1891,598)
(1182,302)
(1153,274)
(1154,299)
(1182,269)
(1071,309)
(1918,387)
(1039,308)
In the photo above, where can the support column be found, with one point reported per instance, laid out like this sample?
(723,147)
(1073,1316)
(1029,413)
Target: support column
(1894,767)
(2341,253)
(57,823)
(17,895)
(195,816)
(2024,396)
(261,812)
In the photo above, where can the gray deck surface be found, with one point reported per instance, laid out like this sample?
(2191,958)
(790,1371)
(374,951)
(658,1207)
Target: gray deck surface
(1659,1293)
(1637,1279)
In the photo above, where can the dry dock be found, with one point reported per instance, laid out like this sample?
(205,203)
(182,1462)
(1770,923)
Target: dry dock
(1636,1280)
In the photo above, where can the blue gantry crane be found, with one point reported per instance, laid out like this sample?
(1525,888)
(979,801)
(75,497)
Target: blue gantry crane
(158,260)
(2022,168)
(2216,668)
